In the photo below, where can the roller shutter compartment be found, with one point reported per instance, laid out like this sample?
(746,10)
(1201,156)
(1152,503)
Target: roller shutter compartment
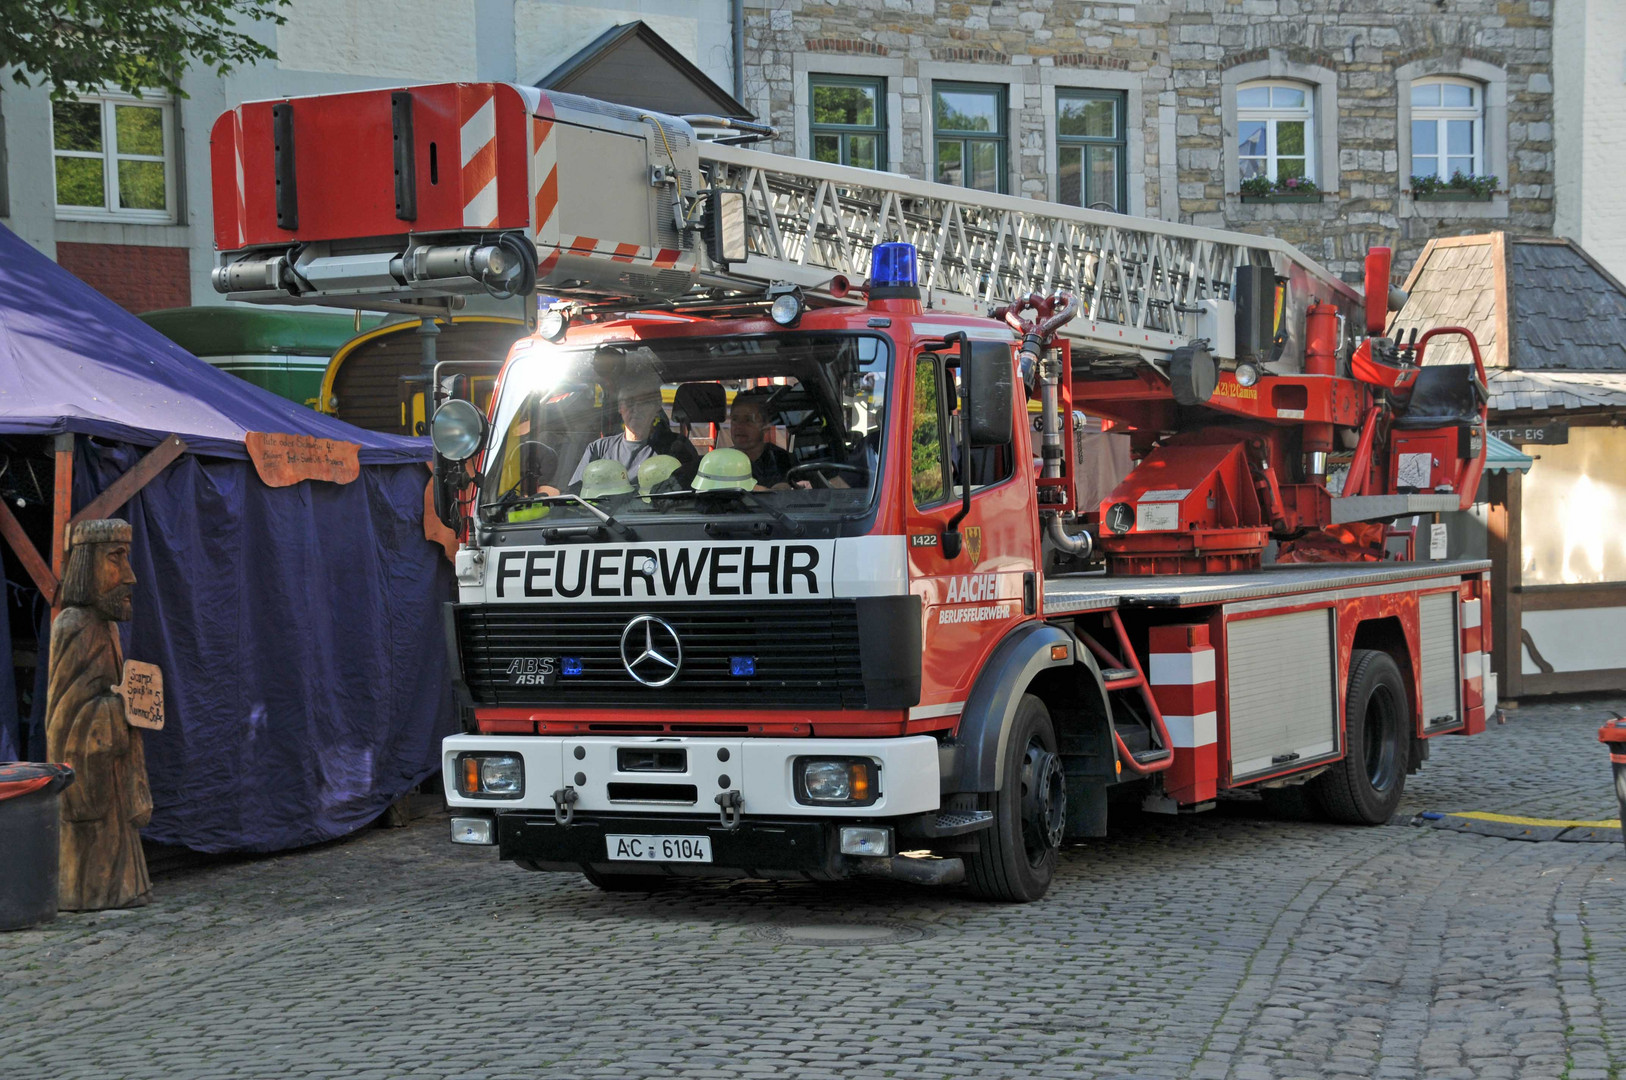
(1281,678)
(1441,647)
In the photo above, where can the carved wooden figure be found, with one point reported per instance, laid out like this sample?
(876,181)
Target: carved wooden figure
(85,726)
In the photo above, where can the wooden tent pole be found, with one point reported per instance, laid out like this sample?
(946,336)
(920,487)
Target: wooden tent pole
(61,512)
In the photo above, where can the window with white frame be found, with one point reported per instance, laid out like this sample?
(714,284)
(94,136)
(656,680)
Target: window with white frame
(1447,127)
(114,157)
(1275,130)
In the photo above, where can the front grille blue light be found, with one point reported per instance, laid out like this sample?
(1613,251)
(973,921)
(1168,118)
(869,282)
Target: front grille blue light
(742,666)
(571,665)
(892,265)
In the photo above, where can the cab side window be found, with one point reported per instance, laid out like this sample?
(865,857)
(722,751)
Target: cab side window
(928,472)
(937,461)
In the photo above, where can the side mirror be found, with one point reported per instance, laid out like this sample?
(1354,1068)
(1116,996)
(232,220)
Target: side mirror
(986,374)
(985,415)
(725,226)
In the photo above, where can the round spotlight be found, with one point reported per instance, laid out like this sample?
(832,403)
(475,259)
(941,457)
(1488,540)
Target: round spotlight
(552,324)
(457,430)
(1247,374)
(785,309)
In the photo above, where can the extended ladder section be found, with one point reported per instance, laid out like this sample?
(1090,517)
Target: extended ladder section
(409,198)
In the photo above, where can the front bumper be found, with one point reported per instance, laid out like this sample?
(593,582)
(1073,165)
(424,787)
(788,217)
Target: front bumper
(761,770)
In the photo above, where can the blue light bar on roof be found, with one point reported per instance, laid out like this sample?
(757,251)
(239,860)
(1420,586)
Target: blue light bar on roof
(892,266)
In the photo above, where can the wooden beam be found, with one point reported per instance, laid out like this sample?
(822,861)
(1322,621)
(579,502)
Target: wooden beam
(61,502)
(32,561)
(140,475)
(61,511)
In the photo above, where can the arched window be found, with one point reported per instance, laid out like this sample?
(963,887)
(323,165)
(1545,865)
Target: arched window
(1447,127)
(1275,130)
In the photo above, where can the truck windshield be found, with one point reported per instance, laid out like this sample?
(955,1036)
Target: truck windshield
(780,428)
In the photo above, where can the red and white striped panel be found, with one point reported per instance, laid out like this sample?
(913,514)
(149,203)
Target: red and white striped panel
(544,175)
(1475,663)
(1181,673)
(478,140)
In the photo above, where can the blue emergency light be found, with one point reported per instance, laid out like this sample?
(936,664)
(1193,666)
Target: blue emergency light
(892,266)
(572,665)
(742,666)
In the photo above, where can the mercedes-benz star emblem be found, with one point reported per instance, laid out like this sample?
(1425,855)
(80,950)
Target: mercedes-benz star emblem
(651,651)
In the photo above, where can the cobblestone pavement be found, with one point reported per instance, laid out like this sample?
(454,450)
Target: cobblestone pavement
(1221,945)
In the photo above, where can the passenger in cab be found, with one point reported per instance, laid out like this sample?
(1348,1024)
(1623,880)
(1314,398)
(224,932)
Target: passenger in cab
(748,428)
(643,433)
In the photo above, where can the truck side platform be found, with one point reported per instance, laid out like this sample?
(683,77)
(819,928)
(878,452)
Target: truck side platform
(1096,591)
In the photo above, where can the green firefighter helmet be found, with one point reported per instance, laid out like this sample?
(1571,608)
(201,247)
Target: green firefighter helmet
(655,470)
(723,469)
(605,477)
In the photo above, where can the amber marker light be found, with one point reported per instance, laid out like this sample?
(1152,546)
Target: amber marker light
(1058,652)
(471,775)
(860,782)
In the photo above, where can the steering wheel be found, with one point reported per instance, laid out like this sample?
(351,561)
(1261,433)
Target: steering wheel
(821,467)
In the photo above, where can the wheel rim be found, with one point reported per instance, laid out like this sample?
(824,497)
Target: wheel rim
(1380,733)
(1044,802)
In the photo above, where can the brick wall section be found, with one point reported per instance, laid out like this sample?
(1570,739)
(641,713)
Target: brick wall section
(136,278)
(1180,49)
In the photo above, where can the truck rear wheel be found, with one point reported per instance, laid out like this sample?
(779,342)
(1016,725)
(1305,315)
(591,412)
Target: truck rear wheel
(1016,858)
(1365,787)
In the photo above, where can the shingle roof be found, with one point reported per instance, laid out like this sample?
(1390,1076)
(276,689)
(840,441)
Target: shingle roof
(1550,321)
(1457,288)
(1569,314)
(1512,390)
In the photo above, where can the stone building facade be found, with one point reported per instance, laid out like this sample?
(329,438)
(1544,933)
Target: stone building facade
(1360,75)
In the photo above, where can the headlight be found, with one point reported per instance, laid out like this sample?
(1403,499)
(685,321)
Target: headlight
(552,324)
(837,781)
(1247,374)
(786,309)
(500,776)
(457,430)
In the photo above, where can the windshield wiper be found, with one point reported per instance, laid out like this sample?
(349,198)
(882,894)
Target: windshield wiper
(793,526)
(506,503)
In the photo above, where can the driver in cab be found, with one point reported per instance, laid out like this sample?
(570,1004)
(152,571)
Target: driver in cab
(748,429)
(644,432)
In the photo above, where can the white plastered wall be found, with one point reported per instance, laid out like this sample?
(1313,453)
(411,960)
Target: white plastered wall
(1589,108)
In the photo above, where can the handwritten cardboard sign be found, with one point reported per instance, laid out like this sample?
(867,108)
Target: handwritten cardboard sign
(283,460)
(143,694)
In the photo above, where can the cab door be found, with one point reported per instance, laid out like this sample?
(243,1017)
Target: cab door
(971,599)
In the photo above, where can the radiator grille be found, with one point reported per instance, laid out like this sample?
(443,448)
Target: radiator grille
(806,654)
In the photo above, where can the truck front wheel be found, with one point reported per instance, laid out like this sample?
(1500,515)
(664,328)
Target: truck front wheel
(1365,787)
(1016,858)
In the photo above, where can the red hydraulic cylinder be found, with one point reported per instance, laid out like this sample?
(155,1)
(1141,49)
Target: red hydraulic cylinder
(1320,358)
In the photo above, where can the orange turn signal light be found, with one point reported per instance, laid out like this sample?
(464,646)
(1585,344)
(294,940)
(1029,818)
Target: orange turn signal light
(859,773)
(471,775)
(1058,652)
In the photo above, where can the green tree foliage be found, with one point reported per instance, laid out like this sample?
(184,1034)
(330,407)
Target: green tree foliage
(131,44)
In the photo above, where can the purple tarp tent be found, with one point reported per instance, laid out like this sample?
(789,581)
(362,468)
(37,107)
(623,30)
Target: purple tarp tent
(298,628)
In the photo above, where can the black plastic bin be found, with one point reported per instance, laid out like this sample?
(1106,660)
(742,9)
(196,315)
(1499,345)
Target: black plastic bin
(28,836)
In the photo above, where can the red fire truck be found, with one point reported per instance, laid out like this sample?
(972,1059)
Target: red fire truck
(772,560)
